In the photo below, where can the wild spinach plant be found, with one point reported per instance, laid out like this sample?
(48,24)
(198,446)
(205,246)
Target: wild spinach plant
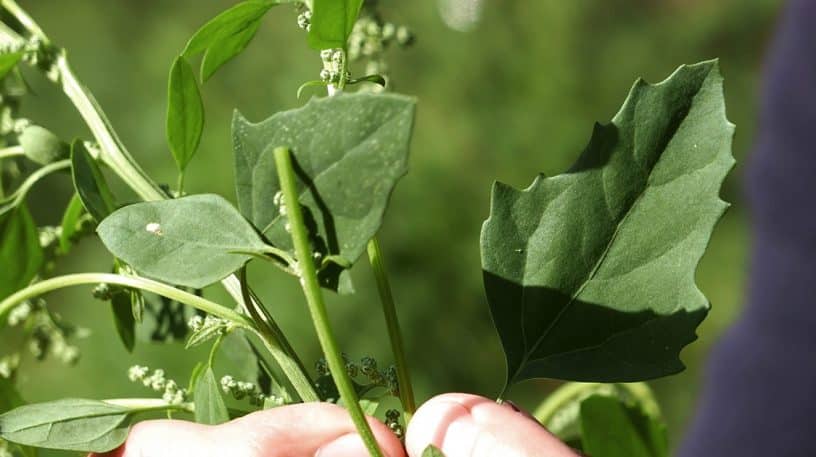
(589,274)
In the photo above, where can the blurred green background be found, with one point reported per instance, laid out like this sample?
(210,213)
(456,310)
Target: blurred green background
(515,95)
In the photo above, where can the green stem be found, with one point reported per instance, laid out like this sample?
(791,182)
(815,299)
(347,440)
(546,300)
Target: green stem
(114,153)
(11,151)
(180,184)
(25,20)
(300,382)
(314,299)
(16,197)
(144,405)
(133,282)
(406,392)
(122,163)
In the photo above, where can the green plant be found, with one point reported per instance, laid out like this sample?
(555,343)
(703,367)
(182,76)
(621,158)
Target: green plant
(589,274)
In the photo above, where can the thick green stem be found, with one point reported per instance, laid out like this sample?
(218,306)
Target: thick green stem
(11,151)
(406,392)
(133,282)
(300,382)
(114,154)
(314,298)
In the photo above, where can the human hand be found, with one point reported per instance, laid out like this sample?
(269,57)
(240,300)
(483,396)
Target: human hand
(461,425)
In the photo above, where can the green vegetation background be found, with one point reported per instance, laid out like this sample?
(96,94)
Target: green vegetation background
(517,95)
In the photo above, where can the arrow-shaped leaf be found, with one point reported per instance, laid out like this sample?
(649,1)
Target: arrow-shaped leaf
(349,150)
(590,274)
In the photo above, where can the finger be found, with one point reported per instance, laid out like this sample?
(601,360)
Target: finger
(307,430)
(463,425)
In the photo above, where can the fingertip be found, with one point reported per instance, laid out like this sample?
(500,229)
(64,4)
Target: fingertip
(469,425)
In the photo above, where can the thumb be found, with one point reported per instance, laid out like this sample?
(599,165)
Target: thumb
(308,430)
(463,425)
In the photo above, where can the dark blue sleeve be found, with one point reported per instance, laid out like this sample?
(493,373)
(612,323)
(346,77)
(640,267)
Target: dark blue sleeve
(760,393)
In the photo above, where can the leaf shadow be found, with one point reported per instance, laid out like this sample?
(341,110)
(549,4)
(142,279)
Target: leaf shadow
(571,339)
(330,275)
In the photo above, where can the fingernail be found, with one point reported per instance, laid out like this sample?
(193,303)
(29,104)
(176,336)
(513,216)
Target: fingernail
(350,445)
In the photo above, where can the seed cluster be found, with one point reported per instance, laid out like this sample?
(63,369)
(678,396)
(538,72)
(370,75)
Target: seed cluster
(368,368)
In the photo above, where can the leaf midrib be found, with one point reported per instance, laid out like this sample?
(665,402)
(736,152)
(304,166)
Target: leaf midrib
(591,274)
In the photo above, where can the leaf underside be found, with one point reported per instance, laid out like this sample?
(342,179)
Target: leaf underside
(590,274)
(69,424)
(349,152)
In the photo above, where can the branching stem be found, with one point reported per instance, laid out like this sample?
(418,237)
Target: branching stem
(134,282)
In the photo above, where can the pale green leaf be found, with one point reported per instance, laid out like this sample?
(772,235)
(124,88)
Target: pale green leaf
(185,113)
(209,404)
(332,22)
(349,151)
(70,424)
(611,428)
(192,241)
(90,184)
(590,274)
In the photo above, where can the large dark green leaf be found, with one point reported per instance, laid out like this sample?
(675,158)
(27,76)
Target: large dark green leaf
(122,308)
(90,184)
(209,404)
(192,241)
(349,150)
(185,113)
(20,253)
(332,22)
(611,428)
(227,35)
(590,274)
(70,424)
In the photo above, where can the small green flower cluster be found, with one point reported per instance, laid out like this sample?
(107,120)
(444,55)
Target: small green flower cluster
(171,392)
(240,390)
(47,335)
(304,19)
(8,365)
(333,66)
(371,38)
